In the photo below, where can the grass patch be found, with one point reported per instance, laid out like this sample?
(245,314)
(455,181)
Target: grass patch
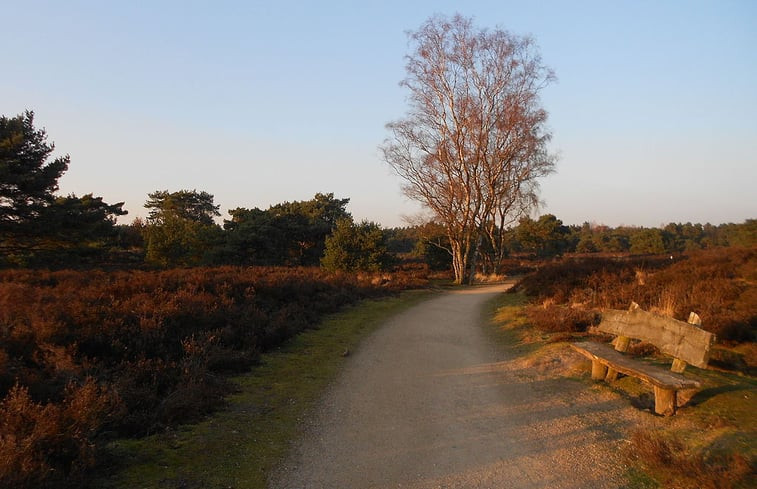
(239,446)
(710,443)
(672,463)
(510,327)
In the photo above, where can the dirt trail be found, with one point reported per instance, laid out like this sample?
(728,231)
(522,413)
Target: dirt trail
(429,402)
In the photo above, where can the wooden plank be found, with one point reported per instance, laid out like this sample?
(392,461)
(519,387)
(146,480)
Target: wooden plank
(679,365)
(622,343)
(676,338)
(694,319)
(649,373)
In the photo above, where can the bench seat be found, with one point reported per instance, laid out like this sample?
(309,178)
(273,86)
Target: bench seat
(652,374)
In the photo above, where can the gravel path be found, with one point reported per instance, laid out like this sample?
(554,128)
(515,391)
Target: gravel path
(429,402)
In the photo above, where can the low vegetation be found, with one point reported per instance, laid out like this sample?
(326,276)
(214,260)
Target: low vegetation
(720,285)
(673,462)
(87,356)
(710,443)
(240,444)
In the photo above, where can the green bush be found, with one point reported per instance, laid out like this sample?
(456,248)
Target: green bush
(356,247)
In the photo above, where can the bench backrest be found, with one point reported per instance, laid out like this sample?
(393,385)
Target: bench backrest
(683,341)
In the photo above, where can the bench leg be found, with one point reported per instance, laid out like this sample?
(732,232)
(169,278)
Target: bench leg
(664,401)
(612,375)
(684,395)
(598,370)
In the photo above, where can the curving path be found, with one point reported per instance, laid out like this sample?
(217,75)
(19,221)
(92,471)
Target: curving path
(429,402)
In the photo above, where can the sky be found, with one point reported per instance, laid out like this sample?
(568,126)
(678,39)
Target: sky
(652,114)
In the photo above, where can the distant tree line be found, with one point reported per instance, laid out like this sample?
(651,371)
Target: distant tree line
(547,237)
(181,231)
(39,228)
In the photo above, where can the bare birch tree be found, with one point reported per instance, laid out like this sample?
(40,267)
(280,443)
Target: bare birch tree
(473,142)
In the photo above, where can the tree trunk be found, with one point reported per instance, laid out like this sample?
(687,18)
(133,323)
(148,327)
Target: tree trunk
(474,261)
(458,263)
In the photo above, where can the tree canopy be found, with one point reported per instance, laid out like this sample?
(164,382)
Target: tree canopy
(28,180)
(189,205)
(473,142)
(545,237)
(36,225)
(180,230)
(289,233)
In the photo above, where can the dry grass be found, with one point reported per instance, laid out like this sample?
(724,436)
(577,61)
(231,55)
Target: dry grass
(666,304)
(677,465)
(489,279)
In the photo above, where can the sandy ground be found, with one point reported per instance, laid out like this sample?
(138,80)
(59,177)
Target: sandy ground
(428,401)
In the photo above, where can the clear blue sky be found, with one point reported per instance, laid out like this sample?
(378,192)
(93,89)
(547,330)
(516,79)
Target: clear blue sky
(654,114)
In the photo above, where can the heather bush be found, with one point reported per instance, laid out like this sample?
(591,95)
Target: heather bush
(51,445)
(552,318)
(150,346)
(588,277)
(63,325)
(717,284)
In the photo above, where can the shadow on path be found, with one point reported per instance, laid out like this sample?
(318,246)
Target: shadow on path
(428,402)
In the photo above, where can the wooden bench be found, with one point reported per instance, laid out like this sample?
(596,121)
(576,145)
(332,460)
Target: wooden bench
(687,343)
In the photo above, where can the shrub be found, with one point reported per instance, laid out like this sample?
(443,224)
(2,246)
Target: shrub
(715,284)
(553,318)
(51,445)
(356,247)
(150,346)
(589,278)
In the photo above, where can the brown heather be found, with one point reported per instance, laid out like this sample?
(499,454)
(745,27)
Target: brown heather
(85,355)
(719,284)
